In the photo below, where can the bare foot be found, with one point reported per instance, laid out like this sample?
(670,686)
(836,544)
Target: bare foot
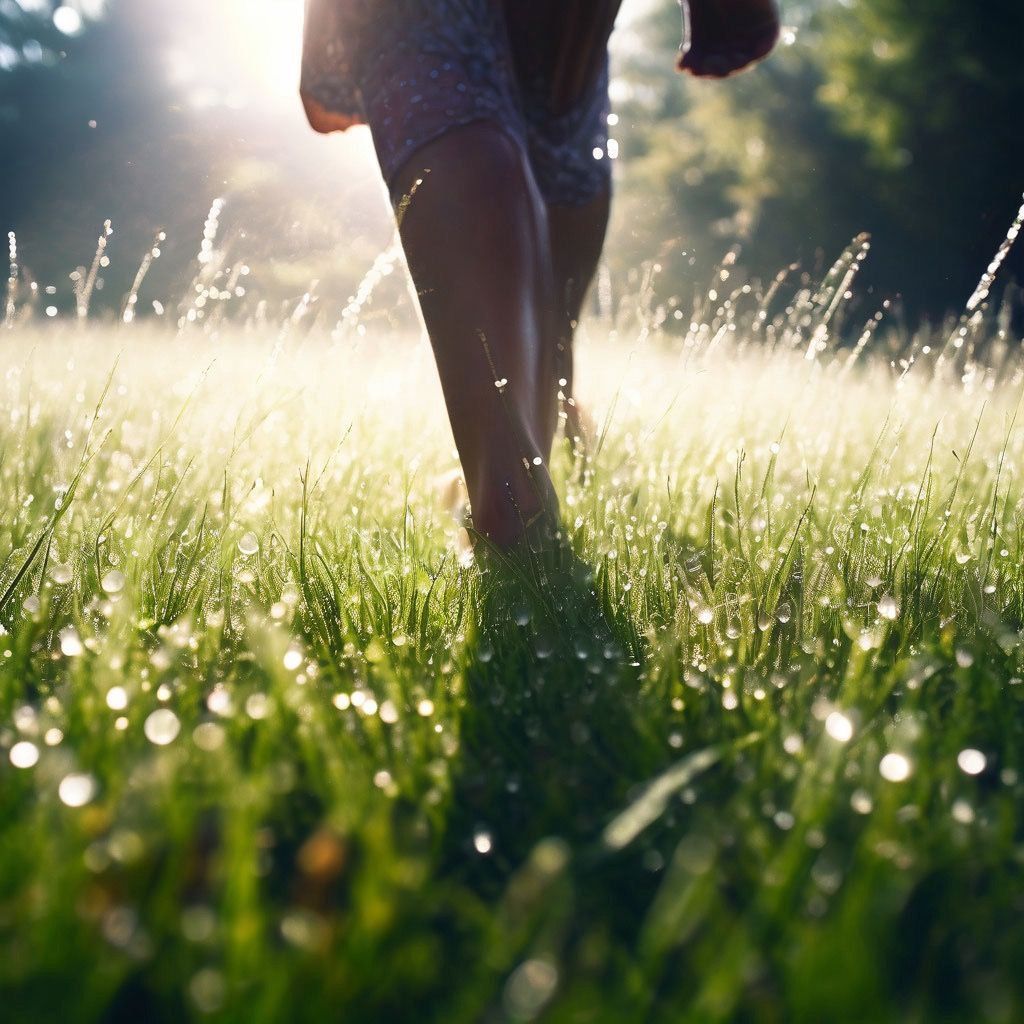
(725,36)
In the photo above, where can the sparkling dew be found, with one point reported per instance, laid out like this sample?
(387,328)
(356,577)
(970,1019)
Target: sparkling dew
(162,727)
(971,761)
(839,727)
(76,789)
(24,754)
(895,767)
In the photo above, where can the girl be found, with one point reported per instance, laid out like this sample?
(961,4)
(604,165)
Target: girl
(489,118)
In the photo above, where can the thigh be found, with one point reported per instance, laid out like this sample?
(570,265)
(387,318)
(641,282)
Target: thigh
(427,66)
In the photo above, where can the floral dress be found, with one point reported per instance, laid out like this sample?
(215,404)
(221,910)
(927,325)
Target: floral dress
(412,69)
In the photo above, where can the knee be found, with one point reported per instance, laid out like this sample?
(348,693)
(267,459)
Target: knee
(470,161)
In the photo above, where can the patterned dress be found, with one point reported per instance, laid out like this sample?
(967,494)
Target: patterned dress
(412,69)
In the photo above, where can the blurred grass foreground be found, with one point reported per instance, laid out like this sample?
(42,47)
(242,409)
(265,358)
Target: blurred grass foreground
(260,762)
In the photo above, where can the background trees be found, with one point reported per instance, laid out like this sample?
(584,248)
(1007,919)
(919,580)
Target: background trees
(897,117)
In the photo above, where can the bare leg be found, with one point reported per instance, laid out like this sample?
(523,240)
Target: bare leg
(577,238)
(476,238)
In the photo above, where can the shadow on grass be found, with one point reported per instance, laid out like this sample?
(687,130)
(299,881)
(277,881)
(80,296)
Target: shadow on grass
(553,734)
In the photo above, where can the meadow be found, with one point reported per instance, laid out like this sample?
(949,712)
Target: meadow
(261,760)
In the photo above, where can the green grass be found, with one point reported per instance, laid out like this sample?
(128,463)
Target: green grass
(368,814)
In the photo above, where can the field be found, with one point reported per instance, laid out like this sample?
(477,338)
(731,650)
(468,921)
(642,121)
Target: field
(261,759)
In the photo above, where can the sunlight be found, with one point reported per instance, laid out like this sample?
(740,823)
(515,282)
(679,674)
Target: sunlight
(238,53)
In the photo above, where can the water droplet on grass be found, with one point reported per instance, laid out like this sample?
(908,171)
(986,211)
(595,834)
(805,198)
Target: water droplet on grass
(24,754)
(971,761)
(784,820)
(839,727)
(793,744)
(162,727)
(208,736)
(70,642)
(117,698)
(61,574)
(248,544)
(76,789)
(258,706)
(483,842)
(529,988)
(113,582)
(962,812)
(888,608)
(219,701)
(861,802)
(895,768)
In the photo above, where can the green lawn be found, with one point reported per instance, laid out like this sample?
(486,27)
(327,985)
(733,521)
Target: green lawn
(261,761)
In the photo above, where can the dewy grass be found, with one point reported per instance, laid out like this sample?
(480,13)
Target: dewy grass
(261,762)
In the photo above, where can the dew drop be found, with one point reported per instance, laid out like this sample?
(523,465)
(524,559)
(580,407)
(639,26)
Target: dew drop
(971,761)
(839,727)
(208,736)
(964,658)
(70,642)
(258,706)
(162,727)
(113,582)
(61,574)
(117,698)
(861,802)
(76,789)
(962,812)
(895,768)
(248,543)
(24,754)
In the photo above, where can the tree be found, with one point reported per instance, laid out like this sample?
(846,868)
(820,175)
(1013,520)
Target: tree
(880,116)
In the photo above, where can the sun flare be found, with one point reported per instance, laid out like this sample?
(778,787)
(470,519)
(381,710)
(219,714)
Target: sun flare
(239,53)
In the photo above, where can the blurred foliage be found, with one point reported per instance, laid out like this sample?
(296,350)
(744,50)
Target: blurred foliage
(887,116)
